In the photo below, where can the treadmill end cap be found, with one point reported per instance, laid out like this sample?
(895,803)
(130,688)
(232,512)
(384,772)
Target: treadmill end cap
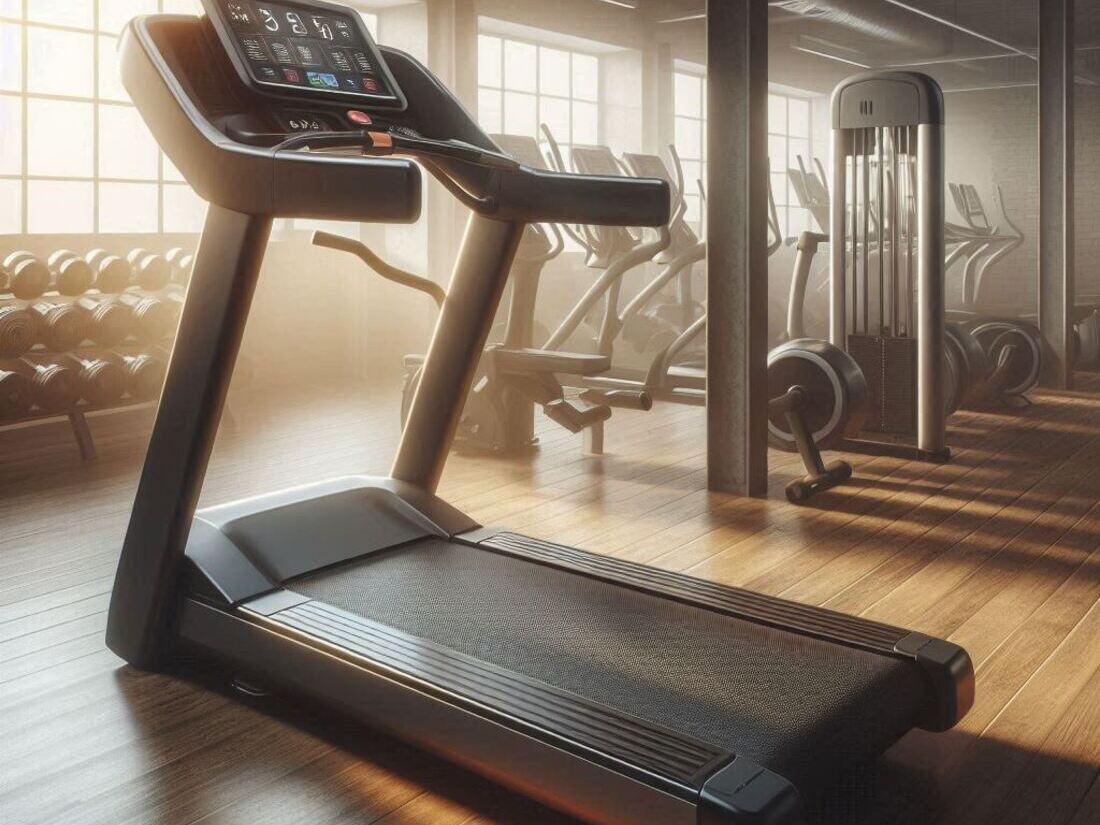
(745,793)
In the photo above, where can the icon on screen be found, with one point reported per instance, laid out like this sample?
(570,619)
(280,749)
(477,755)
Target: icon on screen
(308,53)
(322,80)
(339,60)
(362,62)
(297,27)
(324,29)
(238,14)
(292,76)
(268,18)
(344,31)
(267,73)
(254,49)
(280,50)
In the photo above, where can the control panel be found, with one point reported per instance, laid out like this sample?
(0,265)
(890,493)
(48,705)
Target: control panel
(319,50)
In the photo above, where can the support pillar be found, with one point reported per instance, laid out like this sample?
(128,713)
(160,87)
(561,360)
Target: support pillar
(737,240)
(1056,220)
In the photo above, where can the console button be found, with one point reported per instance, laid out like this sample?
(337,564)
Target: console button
(370,84)
(309,54)
(344,31)
(322,80)
(267,73)
(292,75)
(362,61)
(281,50)
(253,48)
(239,15)
(359,118)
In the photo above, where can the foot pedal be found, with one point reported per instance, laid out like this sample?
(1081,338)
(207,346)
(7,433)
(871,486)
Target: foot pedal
(573,418)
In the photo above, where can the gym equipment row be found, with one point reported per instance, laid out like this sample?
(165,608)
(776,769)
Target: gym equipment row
(65,273)
(525,660)
(41,387)
(81,335)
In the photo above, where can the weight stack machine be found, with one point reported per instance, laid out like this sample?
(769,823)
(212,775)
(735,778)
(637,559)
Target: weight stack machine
(887,257)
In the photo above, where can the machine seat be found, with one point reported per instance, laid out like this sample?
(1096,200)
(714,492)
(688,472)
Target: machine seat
(541,360)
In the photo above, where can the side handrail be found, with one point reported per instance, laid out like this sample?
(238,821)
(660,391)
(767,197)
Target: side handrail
(387,271)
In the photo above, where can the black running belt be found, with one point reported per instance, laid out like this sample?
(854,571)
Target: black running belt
(804,708)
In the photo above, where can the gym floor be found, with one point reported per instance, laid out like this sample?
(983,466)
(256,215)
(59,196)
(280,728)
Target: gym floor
(998,551)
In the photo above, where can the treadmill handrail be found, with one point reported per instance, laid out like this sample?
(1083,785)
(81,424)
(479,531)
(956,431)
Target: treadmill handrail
(387,271)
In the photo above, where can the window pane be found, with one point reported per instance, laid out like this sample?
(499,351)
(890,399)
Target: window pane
(488,61)
(76,13)
(798,146)
(586,123)
(779,188)
(520,116)
(11,137)
(11,216)
(110,84)
(519,66)
(586,77)
(11,57)
(11,8)
(799,123)
(554,72)
(777,153)
(184,211)
(693,172)
(126,149)
(688,95)
(60,206)
(798,221)
(554,112)
(59,138)
(59,62)
(689,138)
(490,110)
(115,14)
(128,207)
(777,114)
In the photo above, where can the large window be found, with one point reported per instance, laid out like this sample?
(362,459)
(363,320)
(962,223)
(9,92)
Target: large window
(75,156)
(789,136)
(522,84)
(689,107)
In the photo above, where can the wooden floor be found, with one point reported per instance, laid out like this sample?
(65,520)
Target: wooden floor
(998,551)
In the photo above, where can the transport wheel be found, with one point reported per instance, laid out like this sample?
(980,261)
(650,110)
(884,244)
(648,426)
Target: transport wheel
(835,386)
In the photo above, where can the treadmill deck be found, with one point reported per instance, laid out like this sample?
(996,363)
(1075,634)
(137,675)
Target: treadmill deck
(782,698)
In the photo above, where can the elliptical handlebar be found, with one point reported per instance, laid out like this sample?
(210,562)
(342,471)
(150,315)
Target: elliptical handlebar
(387,271)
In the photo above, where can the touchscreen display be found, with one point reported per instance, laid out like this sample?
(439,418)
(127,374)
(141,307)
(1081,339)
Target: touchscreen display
(307,48)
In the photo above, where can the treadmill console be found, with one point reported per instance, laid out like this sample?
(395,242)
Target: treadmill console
(317,50)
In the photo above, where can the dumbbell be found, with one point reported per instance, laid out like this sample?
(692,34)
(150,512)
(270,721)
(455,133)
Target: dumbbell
(71,274)
(61,326)
(181,261)
(24,275)
(971,368)
(17,331)
(996,335)
(112,273)
(144,374)
(153,319)
(102,382)
(151,272)
(16,395)
(55,385)
(110,322)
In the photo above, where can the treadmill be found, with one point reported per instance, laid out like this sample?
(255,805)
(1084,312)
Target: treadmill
(615,692)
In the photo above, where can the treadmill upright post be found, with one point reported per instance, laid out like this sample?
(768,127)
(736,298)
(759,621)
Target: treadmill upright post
(227,266)
(484,261)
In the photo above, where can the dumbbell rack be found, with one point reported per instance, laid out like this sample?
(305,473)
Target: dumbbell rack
(78,414)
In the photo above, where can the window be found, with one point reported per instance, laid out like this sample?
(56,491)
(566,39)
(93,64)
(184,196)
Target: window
(689,109)
(522,84)
(789,136)
(75,156)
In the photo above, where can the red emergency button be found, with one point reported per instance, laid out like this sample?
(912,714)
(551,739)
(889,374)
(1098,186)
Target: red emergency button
(359,118)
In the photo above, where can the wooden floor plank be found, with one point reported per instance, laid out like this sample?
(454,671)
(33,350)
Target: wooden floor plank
(1000,549)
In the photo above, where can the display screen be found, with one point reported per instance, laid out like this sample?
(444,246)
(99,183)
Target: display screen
(308,48)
